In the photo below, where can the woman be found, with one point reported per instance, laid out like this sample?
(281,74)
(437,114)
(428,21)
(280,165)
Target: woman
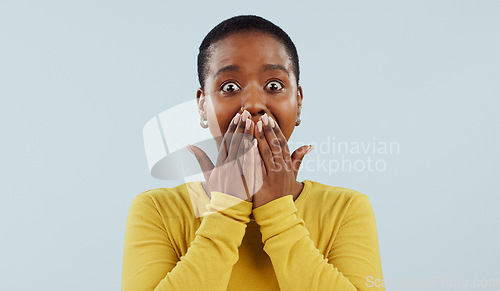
(259,229)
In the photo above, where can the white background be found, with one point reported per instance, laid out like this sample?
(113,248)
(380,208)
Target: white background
(79,79)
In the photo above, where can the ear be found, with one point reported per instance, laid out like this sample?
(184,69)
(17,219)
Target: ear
(200,99)
(300,96)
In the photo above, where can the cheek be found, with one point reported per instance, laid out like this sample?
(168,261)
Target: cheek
(221,121)
(213,118)
(218,120)
(287,119)
(288,129)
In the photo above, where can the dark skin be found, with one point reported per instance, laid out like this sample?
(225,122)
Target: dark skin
(252,70)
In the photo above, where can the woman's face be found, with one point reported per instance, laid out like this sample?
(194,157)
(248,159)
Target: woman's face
(250,70)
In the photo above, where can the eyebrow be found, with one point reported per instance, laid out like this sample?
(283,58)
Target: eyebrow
(230,68)
(235,68)
(276,67)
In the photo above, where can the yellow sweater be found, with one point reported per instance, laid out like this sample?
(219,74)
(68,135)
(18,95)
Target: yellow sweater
(177,239)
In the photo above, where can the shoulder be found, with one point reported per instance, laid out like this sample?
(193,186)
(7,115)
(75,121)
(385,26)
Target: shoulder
(334,200)
(166,201)
(322,192)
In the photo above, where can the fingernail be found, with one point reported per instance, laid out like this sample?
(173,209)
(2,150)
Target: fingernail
(190,149)
(259,125)
(265,119)
(245,114)
(248,124)
(236,119)
(254,142)
(309,149)
(272,122)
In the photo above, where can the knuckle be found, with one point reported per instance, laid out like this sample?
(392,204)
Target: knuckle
(247,136)
(267,129)
(231,127)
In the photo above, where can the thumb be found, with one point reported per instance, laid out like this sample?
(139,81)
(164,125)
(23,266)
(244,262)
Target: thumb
(206,164)
(297,157)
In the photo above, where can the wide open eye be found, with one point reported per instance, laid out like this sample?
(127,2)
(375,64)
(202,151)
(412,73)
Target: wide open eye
(274,86)
(230,87)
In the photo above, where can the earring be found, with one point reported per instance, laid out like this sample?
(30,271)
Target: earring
(297,121)
(202,122)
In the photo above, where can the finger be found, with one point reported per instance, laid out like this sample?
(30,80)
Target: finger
(259,169)
(234,186)
(240,157)
(264,149)
(273,142)
(245,144)
(283,144)
(234,145)
(242,160)
(264,171)
(204,161)
(244,176)
(257,132)
(224,146)
(248,167)
(297,157)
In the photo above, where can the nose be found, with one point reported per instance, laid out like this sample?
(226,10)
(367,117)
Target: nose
(254,101)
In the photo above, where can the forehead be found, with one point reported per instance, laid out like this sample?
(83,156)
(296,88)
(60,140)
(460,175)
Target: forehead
(247,49)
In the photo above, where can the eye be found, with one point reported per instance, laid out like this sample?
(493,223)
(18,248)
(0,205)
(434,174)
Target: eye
(274,86)
(230,87)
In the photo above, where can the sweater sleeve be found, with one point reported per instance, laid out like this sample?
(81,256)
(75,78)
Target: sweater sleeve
(299,265)
(151,263)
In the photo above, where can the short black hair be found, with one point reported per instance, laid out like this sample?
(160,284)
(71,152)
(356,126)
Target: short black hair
(244,23)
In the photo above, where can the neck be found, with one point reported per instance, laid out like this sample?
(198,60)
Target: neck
(297,189)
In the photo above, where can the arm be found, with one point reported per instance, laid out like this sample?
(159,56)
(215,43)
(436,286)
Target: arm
(299,265)
(151,263)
